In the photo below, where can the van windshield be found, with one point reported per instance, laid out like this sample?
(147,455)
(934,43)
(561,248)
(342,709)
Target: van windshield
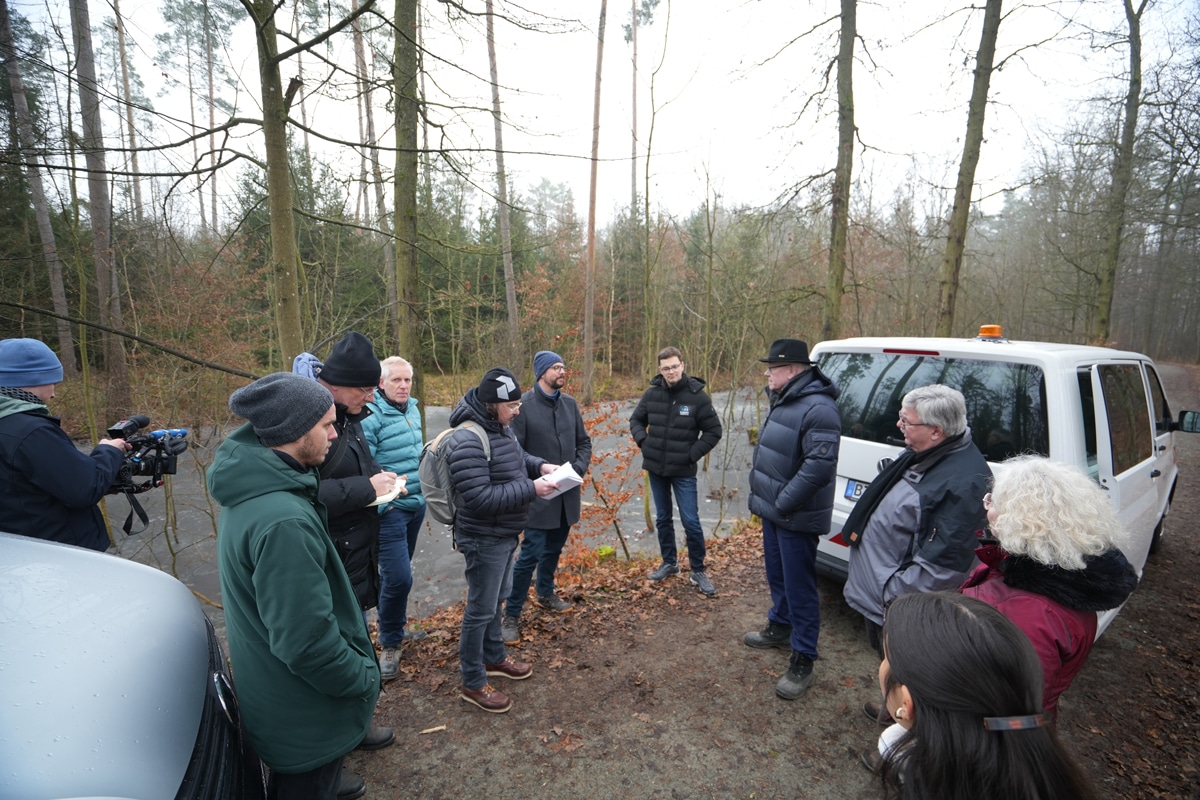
(1006,402)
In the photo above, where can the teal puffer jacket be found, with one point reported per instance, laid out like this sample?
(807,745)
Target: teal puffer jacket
(395,439)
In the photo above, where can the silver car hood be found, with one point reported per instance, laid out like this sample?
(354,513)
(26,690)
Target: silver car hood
(103,673)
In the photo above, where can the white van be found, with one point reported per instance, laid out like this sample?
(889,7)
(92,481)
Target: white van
(1102,410)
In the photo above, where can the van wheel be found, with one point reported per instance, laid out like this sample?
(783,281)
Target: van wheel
(1156,539)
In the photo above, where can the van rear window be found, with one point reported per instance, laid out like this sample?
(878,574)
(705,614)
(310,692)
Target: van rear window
(1006,402)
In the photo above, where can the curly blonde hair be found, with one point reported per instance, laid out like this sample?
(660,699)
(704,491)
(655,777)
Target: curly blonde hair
(1052,513)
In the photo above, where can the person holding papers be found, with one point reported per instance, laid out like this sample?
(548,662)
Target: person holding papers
(549,427)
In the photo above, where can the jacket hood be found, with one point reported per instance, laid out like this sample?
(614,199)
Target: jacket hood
(469,408)
(1105,581)
(10,405)
(244,469)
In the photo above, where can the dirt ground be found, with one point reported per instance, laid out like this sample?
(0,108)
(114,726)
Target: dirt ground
(646,691)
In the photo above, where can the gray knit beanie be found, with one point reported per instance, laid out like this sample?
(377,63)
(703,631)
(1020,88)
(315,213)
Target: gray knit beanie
(282,407)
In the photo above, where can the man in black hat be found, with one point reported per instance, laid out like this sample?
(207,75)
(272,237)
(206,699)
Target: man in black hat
(351,479)
(791,490)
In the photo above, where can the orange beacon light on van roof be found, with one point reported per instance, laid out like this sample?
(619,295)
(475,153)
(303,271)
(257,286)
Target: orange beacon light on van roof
(991,332)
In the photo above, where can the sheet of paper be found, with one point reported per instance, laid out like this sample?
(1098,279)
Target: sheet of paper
(384,499)
(565,477)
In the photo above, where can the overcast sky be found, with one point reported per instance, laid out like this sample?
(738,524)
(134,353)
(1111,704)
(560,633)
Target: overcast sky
(733,77)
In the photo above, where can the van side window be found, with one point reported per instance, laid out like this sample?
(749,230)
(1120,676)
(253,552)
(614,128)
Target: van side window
(1158,403)
(1087,403)
(1128,415)
(1006,402)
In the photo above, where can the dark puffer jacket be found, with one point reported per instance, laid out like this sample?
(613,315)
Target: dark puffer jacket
(493,496)
(675,426)
(1056,608)
(346,493)
(795,461)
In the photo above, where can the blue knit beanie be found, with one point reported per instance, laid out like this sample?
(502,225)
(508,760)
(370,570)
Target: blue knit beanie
(28,362)
(543,361)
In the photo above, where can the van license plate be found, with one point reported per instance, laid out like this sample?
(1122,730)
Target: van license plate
(855,489)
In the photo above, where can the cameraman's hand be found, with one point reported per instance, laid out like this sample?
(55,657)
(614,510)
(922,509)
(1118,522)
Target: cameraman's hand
(120,444)
(383,482)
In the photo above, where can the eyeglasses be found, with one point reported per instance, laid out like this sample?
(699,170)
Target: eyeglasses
(903,423)
(513,406)
(773,367)
(670,367)
(367,391)
(987,500)
(558,368)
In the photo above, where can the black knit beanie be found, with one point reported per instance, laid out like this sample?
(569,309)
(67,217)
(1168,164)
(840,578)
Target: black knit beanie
(282,407)
(351,362)
(498,386)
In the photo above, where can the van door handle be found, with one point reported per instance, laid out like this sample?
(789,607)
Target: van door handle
(1154,473)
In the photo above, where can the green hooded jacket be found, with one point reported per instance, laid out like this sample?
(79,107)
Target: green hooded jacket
(303,664)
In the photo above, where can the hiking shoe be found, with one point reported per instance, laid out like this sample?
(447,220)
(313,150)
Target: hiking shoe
(876,712)
(554,603)
(487,698)
(509,668)
(701,581)
(509,631)
(414,635)
(665,571)
(774,635)
(351,786)
(389,664)
(797,679)
(377,738)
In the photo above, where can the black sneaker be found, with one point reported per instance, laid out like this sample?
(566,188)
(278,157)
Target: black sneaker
(510,631)
(665,571)
(553,602)
(797,679)
(701,582)
(774,635)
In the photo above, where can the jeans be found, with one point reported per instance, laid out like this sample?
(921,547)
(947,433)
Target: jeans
(320,783)
(398,531)
(540,550)
(488,571)
(689,515)
(791,561)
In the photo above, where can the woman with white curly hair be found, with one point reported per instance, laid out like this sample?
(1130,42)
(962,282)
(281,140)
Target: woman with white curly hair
(1056,563)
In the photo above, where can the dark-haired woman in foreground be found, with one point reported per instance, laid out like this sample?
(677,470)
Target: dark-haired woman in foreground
(966,685)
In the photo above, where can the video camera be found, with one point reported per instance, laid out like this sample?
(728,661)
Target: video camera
(152,454)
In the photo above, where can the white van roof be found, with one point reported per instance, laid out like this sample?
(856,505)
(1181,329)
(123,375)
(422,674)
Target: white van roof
(1001,348)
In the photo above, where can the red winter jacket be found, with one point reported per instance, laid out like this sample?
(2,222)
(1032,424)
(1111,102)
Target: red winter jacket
(1056,608)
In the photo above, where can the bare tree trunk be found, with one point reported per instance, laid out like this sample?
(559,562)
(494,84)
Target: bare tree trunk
(633,126)
(381,215)
(285,258)
(1122,177)
(100,206)
(589,311)
(133,153)
(212,116)
(957,237)
(407,108)
(41,208)
(510,281)
(831,321)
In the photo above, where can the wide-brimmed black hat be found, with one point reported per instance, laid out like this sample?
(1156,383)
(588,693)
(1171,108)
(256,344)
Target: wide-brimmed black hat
(787,351)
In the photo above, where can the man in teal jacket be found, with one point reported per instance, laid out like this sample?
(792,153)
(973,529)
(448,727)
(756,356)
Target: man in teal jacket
(304,666)
(393,432)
